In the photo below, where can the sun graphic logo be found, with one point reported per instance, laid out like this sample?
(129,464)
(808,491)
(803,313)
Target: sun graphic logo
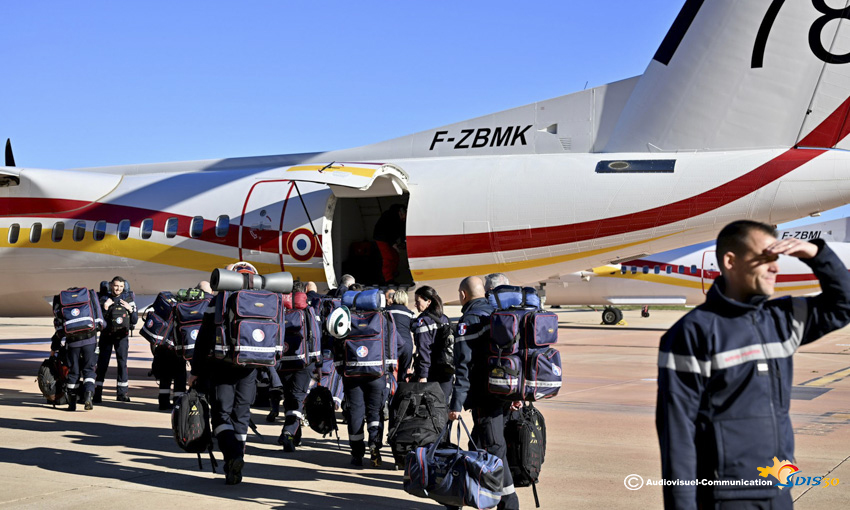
(779,470)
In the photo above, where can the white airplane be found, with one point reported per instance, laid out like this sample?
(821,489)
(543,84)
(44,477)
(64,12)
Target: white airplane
(739,114)
(684,275)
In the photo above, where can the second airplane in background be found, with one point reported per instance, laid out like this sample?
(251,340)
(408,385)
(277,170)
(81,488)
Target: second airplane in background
(684,275)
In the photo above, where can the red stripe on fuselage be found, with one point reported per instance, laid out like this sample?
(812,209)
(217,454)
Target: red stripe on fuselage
(111,213)
(467,244)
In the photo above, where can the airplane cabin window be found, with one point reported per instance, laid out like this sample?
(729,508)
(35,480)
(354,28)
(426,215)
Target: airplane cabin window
(624,270)
(681,269)
(222,225)
(99,231)
(35,233)
(14,232)
(645,269)
(58,231)
(693,269)
(634,269)
(123,229)
(669,269)
(196,228)
(146,229)
(657,270)
(79,232)
(171,227)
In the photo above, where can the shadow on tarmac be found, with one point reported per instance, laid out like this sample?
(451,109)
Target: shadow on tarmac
(275,485)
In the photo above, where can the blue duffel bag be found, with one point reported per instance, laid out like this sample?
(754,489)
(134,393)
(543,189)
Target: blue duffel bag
(370,300)
(452,476)
(504,297)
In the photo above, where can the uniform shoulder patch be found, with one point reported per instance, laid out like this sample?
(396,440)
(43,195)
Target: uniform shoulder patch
(461,328)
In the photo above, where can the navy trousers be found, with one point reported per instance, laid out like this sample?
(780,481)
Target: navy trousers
(488,432)
(233,392)
(81,361)
(121,345)
(365,399)
(296,384)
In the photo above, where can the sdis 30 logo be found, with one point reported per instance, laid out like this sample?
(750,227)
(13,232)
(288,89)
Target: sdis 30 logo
(786,474)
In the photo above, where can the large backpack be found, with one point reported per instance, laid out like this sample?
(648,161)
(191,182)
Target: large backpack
(190,421)
(522,365)
(117,320)
(301,337)
(127,295)
(319,410)
(248,327)
(363,352)
(329,377)
(418,414)
(367,350)
(51,378)
(188,316)
(160,320)
(525,435)
(77,313)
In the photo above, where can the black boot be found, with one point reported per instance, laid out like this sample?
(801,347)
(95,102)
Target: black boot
(98,395)
(274,401)
(165,402)
(71,397)
(87,401)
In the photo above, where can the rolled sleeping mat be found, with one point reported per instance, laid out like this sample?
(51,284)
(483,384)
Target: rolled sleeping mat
(222,279)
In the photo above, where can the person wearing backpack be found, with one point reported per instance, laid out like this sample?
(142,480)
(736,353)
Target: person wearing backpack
(295,377)
(403,317)
(233,388)
(429,351)
(77,319)
(470,386)
(119,312)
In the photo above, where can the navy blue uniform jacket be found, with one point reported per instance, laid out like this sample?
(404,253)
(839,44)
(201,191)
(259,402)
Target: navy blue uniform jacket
(724,384)
(472,344)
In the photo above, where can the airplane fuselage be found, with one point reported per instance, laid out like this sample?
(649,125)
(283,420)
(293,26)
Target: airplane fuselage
(530,216)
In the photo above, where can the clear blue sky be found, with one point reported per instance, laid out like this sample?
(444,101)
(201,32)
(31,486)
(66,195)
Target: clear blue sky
(97,83)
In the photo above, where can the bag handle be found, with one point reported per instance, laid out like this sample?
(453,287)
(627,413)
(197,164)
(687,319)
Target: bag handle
(433,449)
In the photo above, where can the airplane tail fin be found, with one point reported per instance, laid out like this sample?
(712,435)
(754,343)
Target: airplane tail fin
(743,75)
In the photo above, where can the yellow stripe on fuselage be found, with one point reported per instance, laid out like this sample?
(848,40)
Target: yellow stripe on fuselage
(464,271)
(148,251)
(353,170)
(613,272)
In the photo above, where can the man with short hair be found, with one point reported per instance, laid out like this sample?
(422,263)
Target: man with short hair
(345,282)
(725,371)
(119,312)
(469,391)
(312,292)
(493,280)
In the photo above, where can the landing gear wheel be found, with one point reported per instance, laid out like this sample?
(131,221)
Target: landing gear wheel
(645,312)
(611,315)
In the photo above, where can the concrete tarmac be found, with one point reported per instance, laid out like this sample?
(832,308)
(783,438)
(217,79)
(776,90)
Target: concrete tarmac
(600,429)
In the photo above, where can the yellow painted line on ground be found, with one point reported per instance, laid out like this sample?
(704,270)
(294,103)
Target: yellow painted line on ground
(828,379)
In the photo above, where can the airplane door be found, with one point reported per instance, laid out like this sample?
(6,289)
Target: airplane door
(709,270)
(261,234)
